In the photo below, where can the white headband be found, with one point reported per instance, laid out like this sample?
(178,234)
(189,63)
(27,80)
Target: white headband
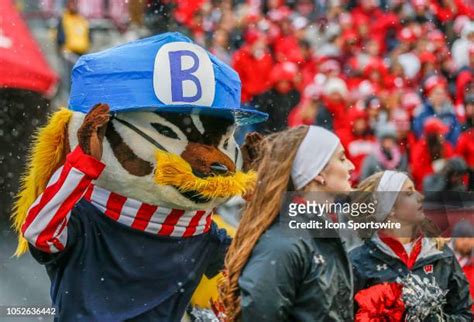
(390,185)
(313,154)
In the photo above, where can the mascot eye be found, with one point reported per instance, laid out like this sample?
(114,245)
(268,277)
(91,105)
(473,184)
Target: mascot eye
(226,144)
(164,130)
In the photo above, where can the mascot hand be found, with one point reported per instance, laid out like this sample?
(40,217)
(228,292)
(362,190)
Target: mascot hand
(92,131)
(250,150)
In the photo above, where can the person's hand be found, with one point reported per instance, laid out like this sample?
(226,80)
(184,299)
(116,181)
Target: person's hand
(250,149)
(92,131)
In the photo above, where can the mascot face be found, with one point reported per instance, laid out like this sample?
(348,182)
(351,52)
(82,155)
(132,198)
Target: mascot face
(199,147)
(169,141)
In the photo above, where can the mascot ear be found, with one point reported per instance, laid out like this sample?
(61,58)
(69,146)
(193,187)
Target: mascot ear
(251,150)
(48,153)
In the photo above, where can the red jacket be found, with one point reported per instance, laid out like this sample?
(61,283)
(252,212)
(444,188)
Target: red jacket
(254,72)
(338,112)
(421,161)
(463,78)
(287,49)
(465,146)
(444,13)
(379,22)
(406,145)
(357,148)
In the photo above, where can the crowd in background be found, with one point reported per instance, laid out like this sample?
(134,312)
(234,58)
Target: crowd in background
(394,79)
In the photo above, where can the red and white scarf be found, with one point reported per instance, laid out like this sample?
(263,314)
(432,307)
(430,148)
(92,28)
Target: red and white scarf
(152,219)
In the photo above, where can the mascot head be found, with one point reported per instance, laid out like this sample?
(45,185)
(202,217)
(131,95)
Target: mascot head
(174,109)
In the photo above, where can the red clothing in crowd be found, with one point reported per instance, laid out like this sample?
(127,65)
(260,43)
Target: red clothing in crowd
(308,70)
(357,148)
(465,147)
(287,49)
(296,118)
(378,23)
(445,13)
(254,72)
(338,112)
(421,161)
(406,144)
(185,10)
(463,78)
(465,8)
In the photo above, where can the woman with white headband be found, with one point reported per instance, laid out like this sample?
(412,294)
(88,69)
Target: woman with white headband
(390,255)
(270,276)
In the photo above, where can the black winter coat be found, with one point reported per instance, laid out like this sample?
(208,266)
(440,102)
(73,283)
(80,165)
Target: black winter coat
(375,263)
(296,278)
(278,107)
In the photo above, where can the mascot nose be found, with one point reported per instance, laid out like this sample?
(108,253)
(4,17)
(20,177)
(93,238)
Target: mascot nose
(206,160)
(219,168)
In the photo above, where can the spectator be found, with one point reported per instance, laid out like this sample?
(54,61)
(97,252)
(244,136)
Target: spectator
(220,46)
(405,54)
(431,151)
(377,117)
(285,46)
(463,247)
(376,56)
(280,99)
(465,146)
(73,39)
(311,110)
(376,72)
(450,178)
(411,102)
(358,140)
(461,46)
(386,155)
(308,65)
(254,63)
(335,94)
(438,104)
(406,138)
(465,82)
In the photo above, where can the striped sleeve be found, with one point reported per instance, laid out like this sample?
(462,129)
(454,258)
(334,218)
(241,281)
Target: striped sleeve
(46,222)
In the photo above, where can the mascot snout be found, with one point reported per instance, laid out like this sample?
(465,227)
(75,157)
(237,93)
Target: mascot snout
(206,160)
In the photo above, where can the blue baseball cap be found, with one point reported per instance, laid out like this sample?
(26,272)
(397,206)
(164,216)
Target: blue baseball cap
(166,72)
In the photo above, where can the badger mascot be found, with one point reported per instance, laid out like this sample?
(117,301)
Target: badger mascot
(118,195)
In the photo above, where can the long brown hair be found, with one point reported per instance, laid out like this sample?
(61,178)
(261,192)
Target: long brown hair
(277,152)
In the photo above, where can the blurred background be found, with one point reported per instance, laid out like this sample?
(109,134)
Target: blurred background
(394,79)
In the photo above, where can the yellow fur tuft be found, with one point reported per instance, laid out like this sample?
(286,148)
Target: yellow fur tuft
(173,170)
(46,156)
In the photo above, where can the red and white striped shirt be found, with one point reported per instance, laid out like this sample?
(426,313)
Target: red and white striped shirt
(45,226)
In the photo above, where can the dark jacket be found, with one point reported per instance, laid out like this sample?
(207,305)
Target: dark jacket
(296,278)
(374,263)
(111,272)
(278,107)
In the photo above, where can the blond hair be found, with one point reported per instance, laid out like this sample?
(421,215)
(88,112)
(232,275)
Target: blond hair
(367,189)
